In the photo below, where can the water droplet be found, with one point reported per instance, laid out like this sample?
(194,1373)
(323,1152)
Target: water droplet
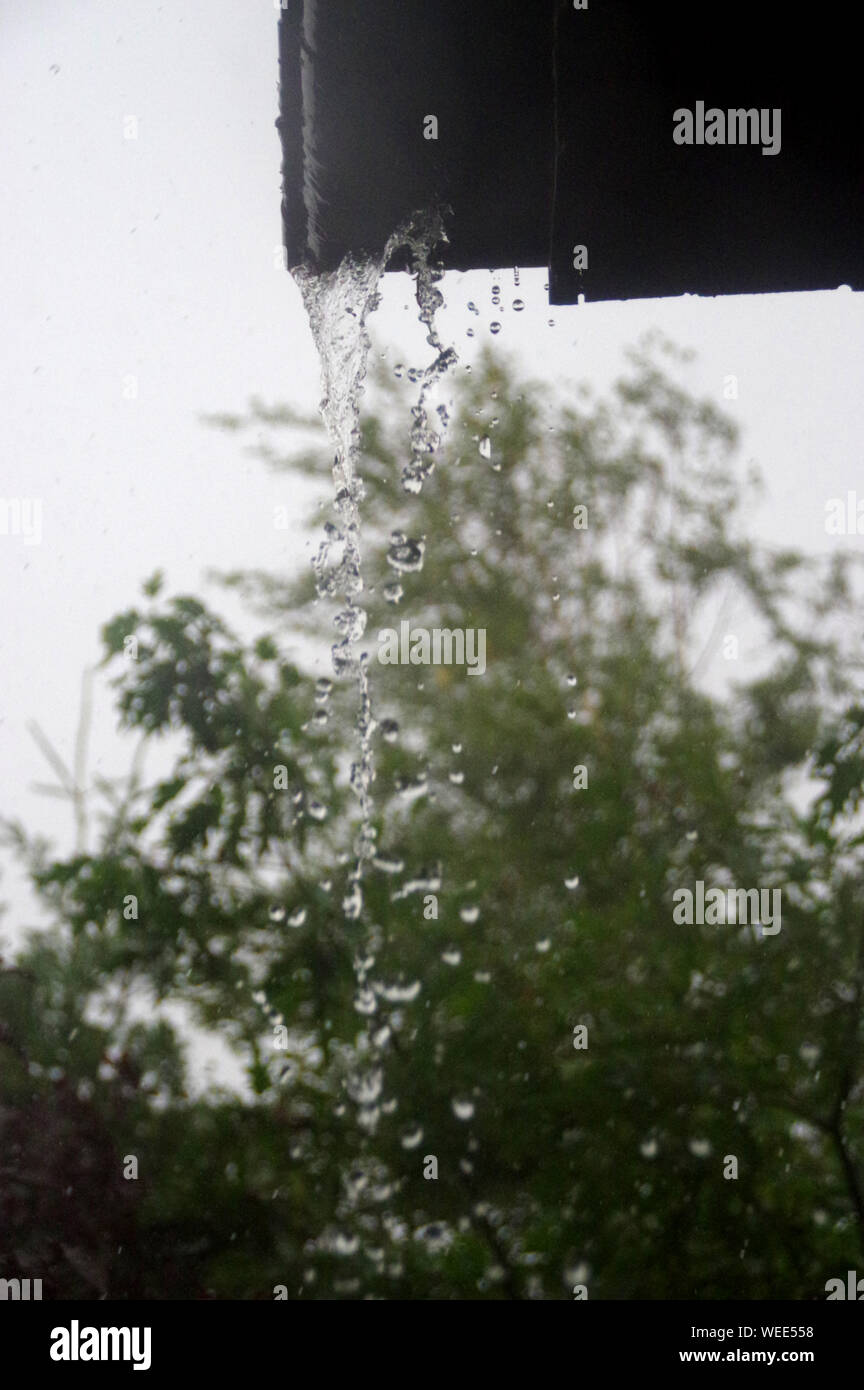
(388,864)
(411,1137)
(518,305)
(411,788)
(297,917)
(572,882)
(399,369)
(457,778)
(485,447)
(401,994)
(316,810)
(700,1148)
(351,622)
(427,881)
(367,1088)
(572,680)
(277,914)
(323,687)
(389,730)
(435,1236)
(352,903)
(365,1001)
(495,327)
(543,945)
(406,555)
(649,1148)
(457,747)
(451,956)
(469,913)
(393,592)
(463,1109)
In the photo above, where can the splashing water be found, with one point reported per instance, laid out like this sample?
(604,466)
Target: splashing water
(338,304)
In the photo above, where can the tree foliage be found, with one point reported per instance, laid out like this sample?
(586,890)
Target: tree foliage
(557,1165)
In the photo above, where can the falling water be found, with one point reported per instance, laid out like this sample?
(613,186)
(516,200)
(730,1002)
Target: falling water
(338,304)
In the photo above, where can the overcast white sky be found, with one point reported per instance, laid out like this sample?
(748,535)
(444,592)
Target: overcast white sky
(157,258)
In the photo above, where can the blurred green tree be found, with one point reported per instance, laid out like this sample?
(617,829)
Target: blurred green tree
(372,1047)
